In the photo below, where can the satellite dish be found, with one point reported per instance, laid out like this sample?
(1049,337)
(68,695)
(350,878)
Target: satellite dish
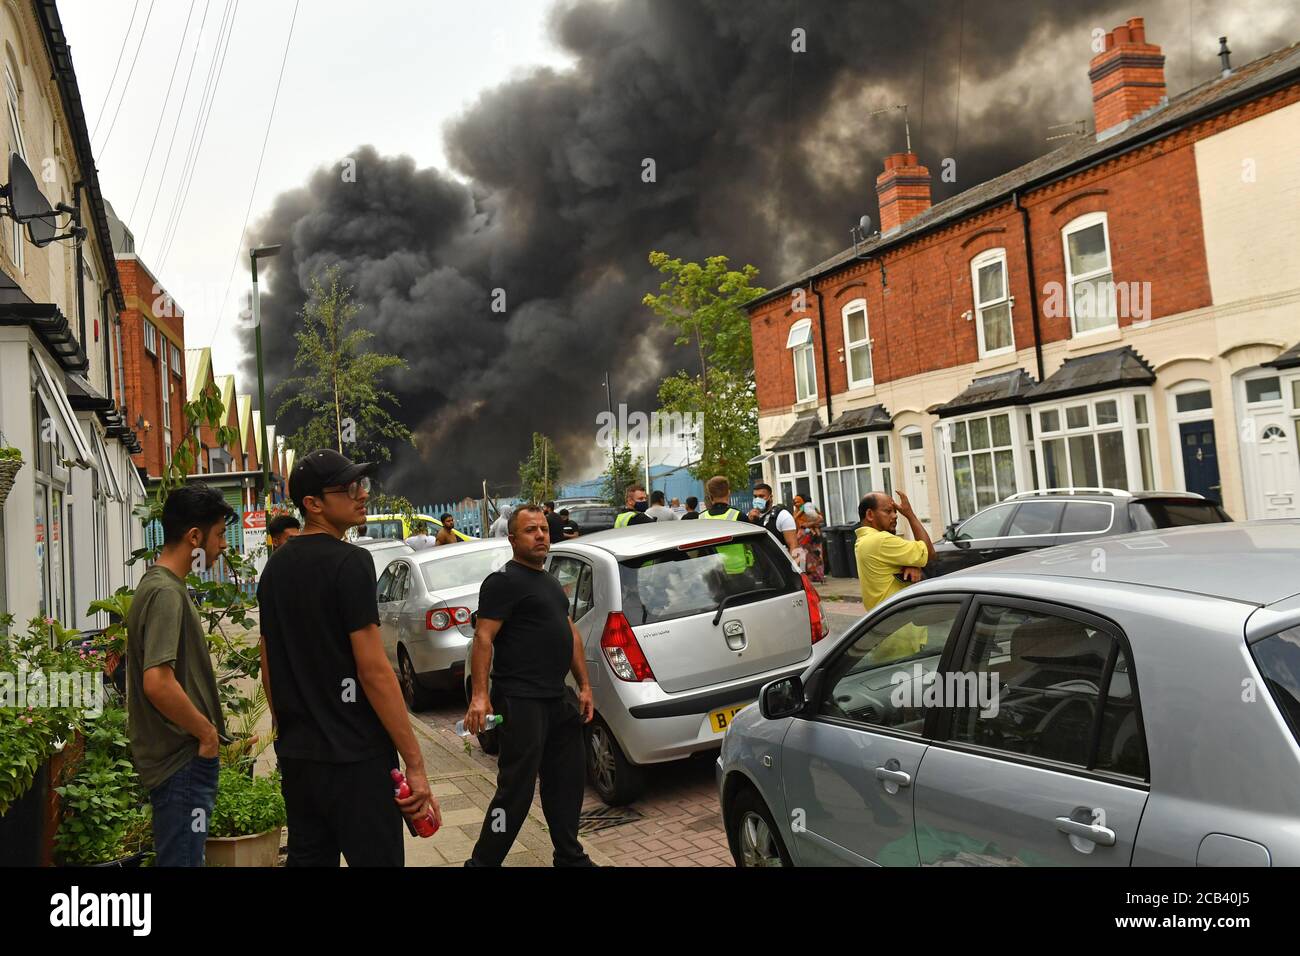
(26,201)
(864,224)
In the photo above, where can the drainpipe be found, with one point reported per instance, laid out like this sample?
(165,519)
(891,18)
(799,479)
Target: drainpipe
(110,375)
(1033,282)
(826,368)
(81,276)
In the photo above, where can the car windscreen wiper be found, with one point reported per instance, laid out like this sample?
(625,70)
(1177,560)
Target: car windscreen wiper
(731,597)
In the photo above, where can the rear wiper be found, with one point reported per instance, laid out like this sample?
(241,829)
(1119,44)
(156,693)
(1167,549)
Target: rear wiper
(731,597)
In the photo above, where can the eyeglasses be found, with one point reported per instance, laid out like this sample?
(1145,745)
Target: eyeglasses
(354,491)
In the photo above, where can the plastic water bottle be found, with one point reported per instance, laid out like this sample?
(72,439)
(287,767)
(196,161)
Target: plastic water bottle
(425,826)
(490,721)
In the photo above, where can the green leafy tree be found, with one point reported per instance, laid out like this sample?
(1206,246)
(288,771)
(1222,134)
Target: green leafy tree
(339,397)
(621,470)
(540,471)
(705,306)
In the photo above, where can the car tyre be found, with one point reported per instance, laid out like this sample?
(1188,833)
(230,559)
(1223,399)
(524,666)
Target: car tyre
(616,780)
(752,832)
(417,696)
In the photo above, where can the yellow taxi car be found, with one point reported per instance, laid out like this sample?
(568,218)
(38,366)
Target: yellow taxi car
(398,527)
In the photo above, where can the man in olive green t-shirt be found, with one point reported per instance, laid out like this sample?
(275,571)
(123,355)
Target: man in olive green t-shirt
(173,710)
(881,554)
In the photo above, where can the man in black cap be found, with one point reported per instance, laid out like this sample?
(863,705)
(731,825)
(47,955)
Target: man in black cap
(340,718)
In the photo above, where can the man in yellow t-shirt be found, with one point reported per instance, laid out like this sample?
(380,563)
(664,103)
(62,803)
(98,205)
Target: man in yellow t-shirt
(881,554)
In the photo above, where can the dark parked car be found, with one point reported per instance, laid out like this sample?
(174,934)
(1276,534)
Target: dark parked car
(1039,519)
(592,518)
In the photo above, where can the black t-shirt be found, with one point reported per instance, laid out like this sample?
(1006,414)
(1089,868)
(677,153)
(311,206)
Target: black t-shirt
(314,592)
(534,647)
(555,524)
(571,527)
(690,516)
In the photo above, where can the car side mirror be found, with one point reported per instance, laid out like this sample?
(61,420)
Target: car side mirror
(950,532)
(781,698)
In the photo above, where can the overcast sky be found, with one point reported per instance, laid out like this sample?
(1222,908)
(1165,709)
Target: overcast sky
(356,73)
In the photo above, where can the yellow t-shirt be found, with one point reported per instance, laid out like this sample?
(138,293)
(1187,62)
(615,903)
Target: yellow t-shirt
(880,556)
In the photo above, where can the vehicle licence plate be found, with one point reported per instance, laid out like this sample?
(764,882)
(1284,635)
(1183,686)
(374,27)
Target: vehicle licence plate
(720,720)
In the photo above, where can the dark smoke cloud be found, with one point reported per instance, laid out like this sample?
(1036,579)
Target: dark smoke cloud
(763,155)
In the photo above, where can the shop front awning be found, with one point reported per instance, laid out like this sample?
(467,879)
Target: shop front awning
(1099,372)
(989,391)
(799,435)
(61,413)
(104,461)
(873,418)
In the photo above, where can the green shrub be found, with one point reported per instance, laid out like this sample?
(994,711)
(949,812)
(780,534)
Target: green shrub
(105,810)
(246,805)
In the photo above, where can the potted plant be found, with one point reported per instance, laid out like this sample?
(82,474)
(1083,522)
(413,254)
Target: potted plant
(247,819)
(11,462)
(105,812)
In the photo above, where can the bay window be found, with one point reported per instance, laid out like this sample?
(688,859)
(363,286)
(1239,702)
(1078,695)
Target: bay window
(992,303)
(1089,281)
(1096,442)
(857,344)
(799,342)
(794,475)
(982,461)
(852,467)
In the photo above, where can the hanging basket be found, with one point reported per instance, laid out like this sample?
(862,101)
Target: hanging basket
(9,468)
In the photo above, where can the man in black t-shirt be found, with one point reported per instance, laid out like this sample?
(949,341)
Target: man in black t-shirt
(554,523)
(524,633)
(570,527)
(339,714)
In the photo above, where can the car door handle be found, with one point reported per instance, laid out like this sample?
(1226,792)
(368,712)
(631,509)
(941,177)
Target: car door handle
(900,777)
(1102,836)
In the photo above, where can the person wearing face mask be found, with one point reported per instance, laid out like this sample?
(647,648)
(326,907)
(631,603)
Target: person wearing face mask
(809,534)
(637,502)
(775,517)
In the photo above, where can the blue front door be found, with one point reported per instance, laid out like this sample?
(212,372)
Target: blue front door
(1200,459)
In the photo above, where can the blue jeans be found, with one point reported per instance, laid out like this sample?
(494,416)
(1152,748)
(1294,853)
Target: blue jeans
(182,812)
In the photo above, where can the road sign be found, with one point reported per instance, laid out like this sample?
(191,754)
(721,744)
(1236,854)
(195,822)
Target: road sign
(254,521)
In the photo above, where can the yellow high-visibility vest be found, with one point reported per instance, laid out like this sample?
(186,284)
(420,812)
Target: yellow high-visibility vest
(736,558)
(622,520)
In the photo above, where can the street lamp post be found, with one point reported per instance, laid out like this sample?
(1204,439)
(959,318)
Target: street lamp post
(261,252)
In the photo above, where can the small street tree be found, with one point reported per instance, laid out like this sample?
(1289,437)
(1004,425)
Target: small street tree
(540,471)
(621,470)
(705,306)
(339,397)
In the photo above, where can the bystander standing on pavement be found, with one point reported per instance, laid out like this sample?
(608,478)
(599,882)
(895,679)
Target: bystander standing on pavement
(554,523)
(339,713)
(447,533)
(571,528)
(525,636)
(775,517)
(809,523)
(281,528)
(636,505)
(499,526)
(886,562)
(420,539)
(691,513)
(676,507)
(173,708)
(658,510)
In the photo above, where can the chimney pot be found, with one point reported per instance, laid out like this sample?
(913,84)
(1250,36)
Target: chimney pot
(1121,36)
(1137,29)
(903,189)
(1128,78)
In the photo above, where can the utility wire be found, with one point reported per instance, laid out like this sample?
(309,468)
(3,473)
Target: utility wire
(163,112)
(256,176)
(961,36)
(167,153)
(126,87)
(109,92)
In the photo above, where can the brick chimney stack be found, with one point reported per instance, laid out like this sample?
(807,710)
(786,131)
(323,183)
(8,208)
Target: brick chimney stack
(1128,78)
(904,191)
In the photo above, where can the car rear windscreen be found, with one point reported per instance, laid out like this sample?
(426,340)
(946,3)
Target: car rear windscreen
(693,580)
(584,516)
(1278,659)
(1152,513)
(456,571)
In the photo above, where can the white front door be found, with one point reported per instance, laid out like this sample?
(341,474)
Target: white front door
(917,482)
(1276,492)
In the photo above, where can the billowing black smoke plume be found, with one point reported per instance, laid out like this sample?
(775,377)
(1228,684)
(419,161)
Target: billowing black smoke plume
(760,153)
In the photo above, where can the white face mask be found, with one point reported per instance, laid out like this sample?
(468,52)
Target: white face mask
(760,504)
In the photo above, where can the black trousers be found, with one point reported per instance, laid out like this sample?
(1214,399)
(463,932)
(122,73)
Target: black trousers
(540,738)
(343,808)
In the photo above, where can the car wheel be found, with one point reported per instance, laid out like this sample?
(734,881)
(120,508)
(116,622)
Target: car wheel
(417,696)
(616,779)
(753,834)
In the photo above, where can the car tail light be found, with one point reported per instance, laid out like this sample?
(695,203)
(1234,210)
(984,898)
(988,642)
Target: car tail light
(817,622)
(622,651)
(439,619)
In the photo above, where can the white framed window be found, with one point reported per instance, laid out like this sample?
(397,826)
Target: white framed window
(854,466)
(1101,441)
(150,338)
(993,303)
(795,473)
(178,367)
(799,342)
(164,381)
(857,344)
(983,466)
(19,147)
(1090,285)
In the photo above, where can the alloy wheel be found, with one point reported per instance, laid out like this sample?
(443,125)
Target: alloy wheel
(757,846)
(602,760)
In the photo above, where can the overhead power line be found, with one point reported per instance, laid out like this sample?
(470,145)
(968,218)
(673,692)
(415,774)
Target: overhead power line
(126,87)
(108,92)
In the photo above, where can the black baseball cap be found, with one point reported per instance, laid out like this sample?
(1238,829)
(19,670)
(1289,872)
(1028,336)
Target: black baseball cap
(320,469)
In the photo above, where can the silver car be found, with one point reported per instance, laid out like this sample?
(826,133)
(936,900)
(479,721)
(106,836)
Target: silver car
(383,551)
(1128,701)
(682,623)
(426,602)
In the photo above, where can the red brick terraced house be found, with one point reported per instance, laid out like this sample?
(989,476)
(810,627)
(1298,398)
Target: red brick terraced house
(1123,312)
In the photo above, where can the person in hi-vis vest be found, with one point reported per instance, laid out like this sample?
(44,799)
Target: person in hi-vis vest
(637,501)
(736,558)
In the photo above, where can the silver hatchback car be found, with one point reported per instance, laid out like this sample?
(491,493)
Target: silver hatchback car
(426,602)
(1129,701)
(682,623)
